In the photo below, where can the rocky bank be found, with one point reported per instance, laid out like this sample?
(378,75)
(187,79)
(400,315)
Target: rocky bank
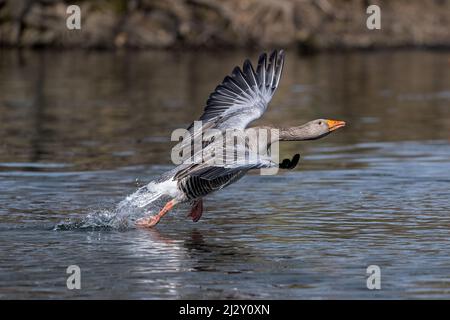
(307,24)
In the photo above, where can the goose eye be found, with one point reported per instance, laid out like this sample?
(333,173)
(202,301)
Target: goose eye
(320,123)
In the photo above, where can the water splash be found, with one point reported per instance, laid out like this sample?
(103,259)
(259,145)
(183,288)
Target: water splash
(146,200)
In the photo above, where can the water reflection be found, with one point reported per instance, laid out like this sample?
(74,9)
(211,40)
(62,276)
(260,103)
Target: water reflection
(109,110)
(81,130)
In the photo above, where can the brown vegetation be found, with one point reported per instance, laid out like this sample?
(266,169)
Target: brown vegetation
(315,24)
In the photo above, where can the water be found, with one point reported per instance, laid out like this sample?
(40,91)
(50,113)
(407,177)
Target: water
(80,131)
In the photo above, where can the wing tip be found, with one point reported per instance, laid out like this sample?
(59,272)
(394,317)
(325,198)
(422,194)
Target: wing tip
(240,82)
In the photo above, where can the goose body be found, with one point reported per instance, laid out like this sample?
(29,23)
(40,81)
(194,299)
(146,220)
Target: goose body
(241,98)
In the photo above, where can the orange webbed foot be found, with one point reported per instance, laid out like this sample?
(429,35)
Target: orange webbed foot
(196,210)
(153,221)
(147,222)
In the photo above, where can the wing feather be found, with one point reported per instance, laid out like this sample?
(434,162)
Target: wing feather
(215,162)
(244,95)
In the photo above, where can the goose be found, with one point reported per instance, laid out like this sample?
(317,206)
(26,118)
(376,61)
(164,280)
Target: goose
(242,97)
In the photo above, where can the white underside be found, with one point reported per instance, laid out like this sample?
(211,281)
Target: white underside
(153,191)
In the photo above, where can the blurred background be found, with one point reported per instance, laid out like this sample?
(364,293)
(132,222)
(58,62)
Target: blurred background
(304,24)
(86,117)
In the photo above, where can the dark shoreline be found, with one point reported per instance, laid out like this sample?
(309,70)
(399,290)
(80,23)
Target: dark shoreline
(308,25)
(180,50)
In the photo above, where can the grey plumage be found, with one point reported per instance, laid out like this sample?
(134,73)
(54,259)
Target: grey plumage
(241,98)
(244,95)
(195,187)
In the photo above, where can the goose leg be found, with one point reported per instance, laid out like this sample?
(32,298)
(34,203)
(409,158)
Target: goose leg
(290,164)
(196,210)
(153,221)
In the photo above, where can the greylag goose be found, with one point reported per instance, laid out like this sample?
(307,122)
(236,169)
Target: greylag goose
(241,98)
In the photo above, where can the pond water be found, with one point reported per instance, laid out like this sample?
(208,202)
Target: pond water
(80,131)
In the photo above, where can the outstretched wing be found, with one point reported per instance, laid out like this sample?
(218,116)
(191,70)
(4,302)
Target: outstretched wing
(218,160)
(244,95)
(211,172)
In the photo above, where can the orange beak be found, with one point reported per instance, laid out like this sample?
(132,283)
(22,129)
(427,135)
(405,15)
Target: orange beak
(335,124)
